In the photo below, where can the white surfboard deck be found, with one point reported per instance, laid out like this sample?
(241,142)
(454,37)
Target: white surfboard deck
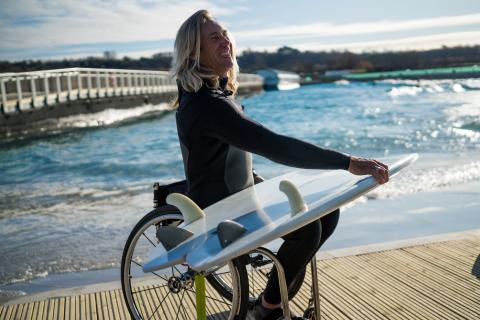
(264,211)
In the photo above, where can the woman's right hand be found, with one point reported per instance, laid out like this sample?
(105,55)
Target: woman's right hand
(362,166)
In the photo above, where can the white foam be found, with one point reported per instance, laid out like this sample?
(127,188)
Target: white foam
(404,91)
(109,116)
(463,111)
(342,82)
(428,179)
(457,87)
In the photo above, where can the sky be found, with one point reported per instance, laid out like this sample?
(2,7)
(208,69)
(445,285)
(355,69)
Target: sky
(57,29)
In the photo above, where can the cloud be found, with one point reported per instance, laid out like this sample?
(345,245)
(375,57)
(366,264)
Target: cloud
(27,24)
(408,43)
(326,29)
(32,29)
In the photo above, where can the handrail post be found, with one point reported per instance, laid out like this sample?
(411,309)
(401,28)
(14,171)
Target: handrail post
(162,84)
(98,84)
(34,91)
(135,84)
(59,88)
(19,95)
(107,84)
(45,84)
(4,96)
(122,84)
(79,85)
(155,84)
(89,85)
(69,86)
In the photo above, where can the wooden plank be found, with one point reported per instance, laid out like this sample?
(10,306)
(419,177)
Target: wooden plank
(391,287)
(122,304)
(465,260)
(10,312)
(84,310)
(367,288)
(93,307)
(150,307)
(105,305)
(375,292)
(42,309)
(460,248)
(67,308)
(115,309)
(61,309)
(30,311)
(418,293)
(340,298)
(71,313)
(49,309)
(19,312)
(443,264)
(429,269)
(456,300)
(327,309)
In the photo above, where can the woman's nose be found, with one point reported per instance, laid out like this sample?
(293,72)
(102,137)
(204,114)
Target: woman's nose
(225,40)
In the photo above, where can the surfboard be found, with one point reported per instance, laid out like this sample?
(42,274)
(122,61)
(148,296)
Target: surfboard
(259,214)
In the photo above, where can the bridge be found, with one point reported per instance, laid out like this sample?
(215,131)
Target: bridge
(29,97)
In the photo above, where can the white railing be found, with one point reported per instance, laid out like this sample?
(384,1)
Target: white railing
(27,91)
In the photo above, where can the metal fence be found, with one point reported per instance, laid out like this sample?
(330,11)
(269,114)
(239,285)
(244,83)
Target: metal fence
(27,91)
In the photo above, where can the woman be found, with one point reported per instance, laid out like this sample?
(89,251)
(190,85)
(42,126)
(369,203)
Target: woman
(217,139)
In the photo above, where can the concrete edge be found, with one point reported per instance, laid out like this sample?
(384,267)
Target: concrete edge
(332,254)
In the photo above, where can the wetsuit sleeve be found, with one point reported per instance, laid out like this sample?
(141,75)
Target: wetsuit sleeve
(224,121)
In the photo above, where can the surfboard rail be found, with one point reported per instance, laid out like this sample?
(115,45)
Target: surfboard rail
(310,196)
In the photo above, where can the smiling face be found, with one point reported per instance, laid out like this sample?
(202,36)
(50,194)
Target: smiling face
(216,48)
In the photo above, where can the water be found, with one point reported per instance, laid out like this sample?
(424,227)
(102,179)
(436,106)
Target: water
(68,200)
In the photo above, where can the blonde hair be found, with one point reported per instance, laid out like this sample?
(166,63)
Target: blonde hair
(186,67)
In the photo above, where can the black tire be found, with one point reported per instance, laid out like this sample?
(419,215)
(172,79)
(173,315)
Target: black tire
(234,294)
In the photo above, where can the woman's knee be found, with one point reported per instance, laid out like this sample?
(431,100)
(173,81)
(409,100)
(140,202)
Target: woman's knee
(309,235)
(329,224)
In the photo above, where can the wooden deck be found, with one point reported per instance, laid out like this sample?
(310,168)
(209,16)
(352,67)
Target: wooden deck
(434,281)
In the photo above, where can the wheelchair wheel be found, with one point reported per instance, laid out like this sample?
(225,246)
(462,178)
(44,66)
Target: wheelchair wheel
(170,293)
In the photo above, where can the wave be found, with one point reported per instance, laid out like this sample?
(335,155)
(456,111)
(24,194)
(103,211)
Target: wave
(404,91)
(107,117)
(428,179)
(342,82)
(401,87)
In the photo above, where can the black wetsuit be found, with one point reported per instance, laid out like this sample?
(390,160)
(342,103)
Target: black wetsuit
(216,140)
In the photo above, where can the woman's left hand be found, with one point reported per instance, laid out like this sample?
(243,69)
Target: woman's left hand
(362,166)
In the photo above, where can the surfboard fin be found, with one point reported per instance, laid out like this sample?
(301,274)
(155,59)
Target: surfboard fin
(297,204)
(187,207)
(170,236)
(229,231)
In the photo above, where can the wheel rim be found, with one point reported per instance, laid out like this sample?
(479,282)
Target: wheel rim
(170,292)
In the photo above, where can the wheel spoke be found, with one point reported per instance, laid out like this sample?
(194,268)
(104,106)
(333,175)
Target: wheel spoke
(141,266)
(153,244)
(156,309)
(157,287)
(180,305)
(211,298)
